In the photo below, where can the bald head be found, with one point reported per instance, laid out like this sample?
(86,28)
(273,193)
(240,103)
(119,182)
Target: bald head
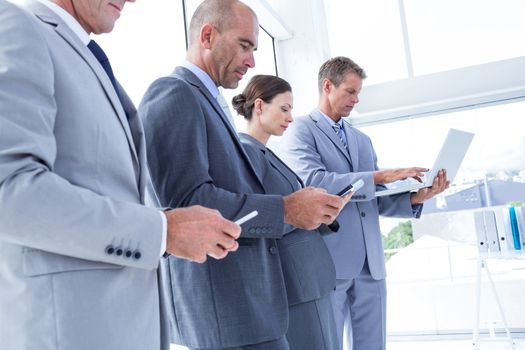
(219,13)
(223,37)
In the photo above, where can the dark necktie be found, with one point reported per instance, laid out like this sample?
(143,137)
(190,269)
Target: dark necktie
(104,62)
(100,55)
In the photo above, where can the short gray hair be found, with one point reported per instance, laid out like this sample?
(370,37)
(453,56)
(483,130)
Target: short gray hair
(336,69)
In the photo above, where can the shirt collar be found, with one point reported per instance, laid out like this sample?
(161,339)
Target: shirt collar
(330,120)
(203,77)
(70,21)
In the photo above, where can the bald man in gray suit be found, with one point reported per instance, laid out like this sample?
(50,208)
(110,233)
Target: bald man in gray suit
(78,249)
(196,157)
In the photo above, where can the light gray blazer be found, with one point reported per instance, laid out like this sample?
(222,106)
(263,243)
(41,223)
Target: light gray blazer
(195,157)
(315,152)
(72,177)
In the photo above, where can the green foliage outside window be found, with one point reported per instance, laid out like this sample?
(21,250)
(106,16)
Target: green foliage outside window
(399,237)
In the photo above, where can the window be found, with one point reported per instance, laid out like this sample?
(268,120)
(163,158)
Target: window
(422,57)
(147,43)
(369,32)
(432,281)
(450,34)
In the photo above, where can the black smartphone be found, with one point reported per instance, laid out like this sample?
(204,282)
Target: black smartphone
(351,188)
(345,191)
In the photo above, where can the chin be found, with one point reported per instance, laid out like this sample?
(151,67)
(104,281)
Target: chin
(230,85)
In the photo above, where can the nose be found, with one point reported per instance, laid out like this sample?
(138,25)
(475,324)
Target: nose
(289,119)
(250,60)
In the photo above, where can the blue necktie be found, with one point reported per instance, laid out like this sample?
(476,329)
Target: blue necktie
(104,62)
(338,128)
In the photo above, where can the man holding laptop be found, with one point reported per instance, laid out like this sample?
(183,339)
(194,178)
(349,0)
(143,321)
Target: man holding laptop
(327,152)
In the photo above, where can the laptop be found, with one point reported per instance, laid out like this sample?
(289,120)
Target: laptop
(450,157)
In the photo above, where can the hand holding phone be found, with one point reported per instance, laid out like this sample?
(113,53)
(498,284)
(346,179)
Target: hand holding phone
(352,188)
(334,226)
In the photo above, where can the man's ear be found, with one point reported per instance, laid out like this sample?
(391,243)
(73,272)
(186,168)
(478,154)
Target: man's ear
(205,36)
(327,84)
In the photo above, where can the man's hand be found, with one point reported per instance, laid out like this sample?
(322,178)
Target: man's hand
(439,185)
(195,232)
(391,175)
(310,207)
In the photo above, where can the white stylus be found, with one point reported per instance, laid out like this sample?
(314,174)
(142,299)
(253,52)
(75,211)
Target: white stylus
(247,217)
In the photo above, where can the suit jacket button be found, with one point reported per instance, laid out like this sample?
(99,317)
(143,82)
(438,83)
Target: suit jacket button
(363,214)
(137,254)
(109,249)
(119,251)
(128,253)
(273,250)
(252,230)
(258,230)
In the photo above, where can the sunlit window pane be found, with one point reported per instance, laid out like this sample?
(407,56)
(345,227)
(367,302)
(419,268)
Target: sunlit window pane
(369,32)
(431,282)
(450,34)
(147,43)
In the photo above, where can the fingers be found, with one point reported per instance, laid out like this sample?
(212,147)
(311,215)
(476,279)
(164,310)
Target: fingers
(310,207)
(196,232)
(440,182)
(217,252)
(346,198)
(230,228)
(333,201)
(418,179)
(227,242)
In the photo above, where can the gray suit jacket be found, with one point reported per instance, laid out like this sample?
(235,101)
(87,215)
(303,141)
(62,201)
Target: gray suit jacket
(315,152)
(195,157)
(308,270)
(72,177)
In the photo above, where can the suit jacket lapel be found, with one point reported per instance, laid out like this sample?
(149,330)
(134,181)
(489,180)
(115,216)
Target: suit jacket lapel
(191,78)
(47,16)
(330,133)
(137,131)
(188,76)
(352,144)
(279,167)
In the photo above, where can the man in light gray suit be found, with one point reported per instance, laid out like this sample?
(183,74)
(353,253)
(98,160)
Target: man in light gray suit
(78,250)
(327,152)
(195,157)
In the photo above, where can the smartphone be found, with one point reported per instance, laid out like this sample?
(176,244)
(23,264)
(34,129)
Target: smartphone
(351,188)
(247,217)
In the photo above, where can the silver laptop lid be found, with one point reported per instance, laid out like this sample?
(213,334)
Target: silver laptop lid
(450,156)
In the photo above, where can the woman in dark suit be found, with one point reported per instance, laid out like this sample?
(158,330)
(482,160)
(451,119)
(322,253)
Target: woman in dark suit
(308,270)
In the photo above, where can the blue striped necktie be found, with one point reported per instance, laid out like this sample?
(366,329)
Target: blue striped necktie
(338,128)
